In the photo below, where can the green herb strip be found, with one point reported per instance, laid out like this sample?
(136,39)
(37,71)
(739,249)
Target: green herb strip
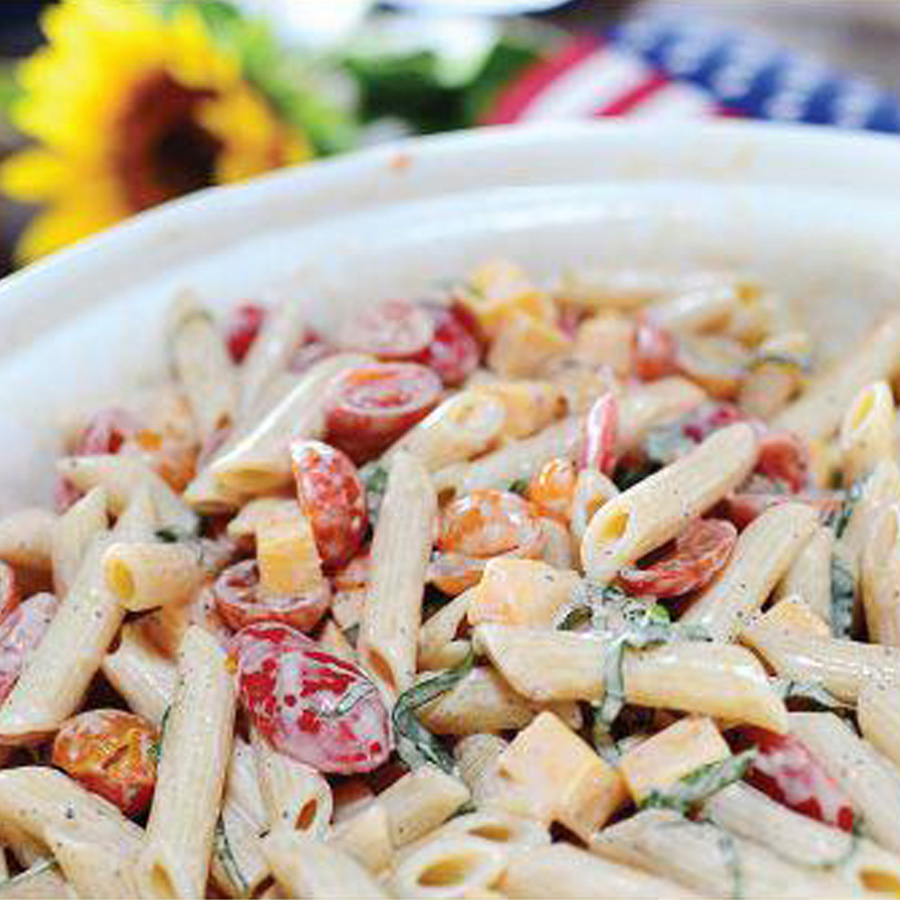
(374,479)
(415,743)
(812,691)
(698,786)
(841,519)
(357,693)
(222,849)
(518,486)
(728,849)
(156,750)
(843,598)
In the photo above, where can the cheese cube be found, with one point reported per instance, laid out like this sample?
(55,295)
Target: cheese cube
(501,288)
(524,345)
(288,560)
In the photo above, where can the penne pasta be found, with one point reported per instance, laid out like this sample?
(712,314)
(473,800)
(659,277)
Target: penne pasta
(72,536)
(401,546)
(652,512)
(147,575)
(26,538)
(809,575)
(880,578)
(878,715)
(867,432)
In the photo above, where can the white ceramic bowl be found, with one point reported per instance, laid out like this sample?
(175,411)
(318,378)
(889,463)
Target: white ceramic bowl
(813,211)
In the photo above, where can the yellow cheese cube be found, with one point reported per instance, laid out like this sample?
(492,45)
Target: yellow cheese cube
(288,559)
(524,345)
(530,405)
(607,340)
(676,751)
(501,288)
(563,777)
(520,592)
(794,614)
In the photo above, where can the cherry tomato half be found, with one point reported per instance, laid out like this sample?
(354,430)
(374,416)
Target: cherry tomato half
(655,350)
(332,495)
(454,351)
(240,601)
(113,754)
(478,527)
(20,632)
(370,407)
(242,329)
(552,488)
(784,458)
(395,329)
(308,704)
(106,432)
(743,508)
(787,771)
(598,443)
(700,553)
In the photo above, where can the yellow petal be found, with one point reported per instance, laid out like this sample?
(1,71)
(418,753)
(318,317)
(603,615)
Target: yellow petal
(33,176)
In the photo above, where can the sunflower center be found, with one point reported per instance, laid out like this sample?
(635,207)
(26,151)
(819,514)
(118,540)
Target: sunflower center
(163,151)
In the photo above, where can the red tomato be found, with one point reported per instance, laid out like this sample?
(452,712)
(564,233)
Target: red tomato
(395,329)
(370,407)
(242,329)
(477,527)
(113,754)
(454,352)
(332,495)
(598,443)
(20,632)
(743,508)
(106,432)
(310,705)
(787,771)
(700,553)
(784,458)
(9,591)
(655,350)
(240,602)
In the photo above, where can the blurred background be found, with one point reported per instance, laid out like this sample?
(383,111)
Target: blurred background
(110,107)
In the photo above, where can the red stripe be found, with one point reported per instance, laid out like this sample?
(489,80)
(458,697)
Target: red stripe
(514,100)
(635,97)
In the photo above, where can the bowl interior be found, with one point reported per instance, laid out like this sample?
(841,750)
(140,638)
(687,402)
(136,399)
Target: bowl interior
(813,216)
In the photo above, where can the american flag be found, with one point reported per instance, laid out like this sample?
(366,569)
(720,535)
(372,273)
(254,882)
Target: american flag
(682,67)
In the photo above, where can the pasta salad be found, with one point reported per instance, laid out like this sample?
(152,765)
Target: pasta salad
(580,589)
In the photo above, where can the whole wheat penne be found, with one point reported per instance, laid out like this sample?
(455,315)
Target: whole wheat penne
(401,547)
(653,511)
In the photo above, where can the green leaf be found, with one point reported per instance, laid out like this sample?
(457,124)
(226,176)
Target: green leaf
(841,519)
(156,750)
(811,691)
(374,478)
(698,786)
(519,486)
(225,855)
(843,598)
(356,694)
(415,743)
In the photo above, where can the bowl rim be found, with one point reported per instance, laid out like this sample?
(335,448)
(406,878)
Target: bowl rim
(866,163)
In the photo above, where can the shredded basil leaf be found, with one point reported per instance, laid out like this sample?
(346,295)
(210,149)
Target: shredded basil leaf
(698,786)
(574,617)
(518,486)
(415,743)
(841,519)
(222,849)
(156,749)
(843,598)
(812,691)
(666,443)
(171,534)
(728,849)
(628,476)
(374,478)
(357,693)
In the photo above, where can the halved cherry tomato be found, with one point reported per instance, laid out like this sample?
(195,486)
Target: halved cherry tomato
(370,407)
(10,595)
(784,458)
(240,602)
(598,443)
(453,352)
(743,508)
(478,527)
(20,632)
(242,329)
(395,329)
(106,432)
(700,553)
(789,773)
(332,495)
(552,489)
(308,704)
(113,754)
(655,350)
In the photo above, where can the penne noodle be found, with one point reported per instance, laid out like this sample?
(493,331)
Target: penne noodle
(867,432)
(366,836)
(147,575)
(195,748)
(401,547)
(880,578)
(26,538)
(202,366)
(762,555)
(872,783)
(878,715)
(307,867)
(259,462)
(809,575)
(653,511)
(842,667)
(711,679)
(72,535)
(43,881)
(818,411)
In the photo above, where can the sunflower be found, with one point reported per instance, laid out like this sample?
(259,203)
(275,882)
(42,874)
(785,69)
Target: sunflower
(128,109)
